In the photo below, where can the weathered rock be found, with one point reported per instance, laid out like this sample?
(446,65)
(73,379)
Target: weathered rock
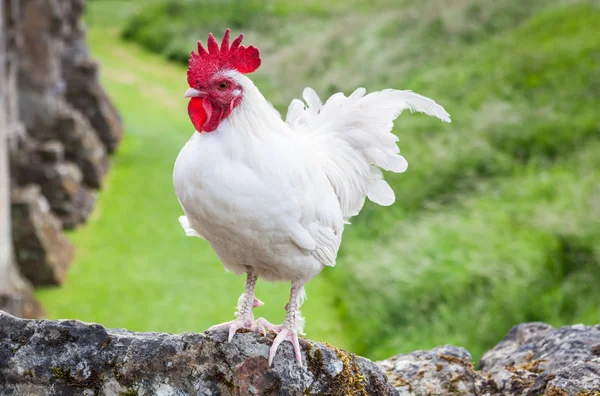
(83,89)
(566,361)
(61,184)
(85,93)
(60,97)
(579,379)
(43,252)
(69,199)
(533,359)
(51,151)
(552,348)
(49,118)
(16,296)
(38,30)
(443,370)
(16,293)
(75,358)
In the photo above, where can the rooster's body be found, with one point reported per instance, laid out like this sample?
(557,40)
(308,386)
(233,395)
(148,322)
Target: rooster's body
(272,197)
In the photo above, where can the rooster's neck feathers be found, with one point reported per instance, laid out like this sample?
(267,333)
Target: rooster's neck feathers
(255,115)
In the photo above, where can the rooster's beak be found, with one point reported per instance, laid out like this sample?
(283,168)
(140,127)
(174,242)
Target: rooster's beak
(192,93)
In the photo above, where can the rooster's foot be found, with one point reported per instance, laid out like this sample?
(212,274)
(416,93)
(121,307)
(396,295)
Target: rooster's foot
(235,325)
(289,334)
(264,325)
(244,321)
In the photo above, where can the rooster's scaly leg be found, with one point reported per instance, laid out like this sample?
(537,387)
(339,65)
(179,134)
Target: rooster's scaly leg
(244,315)
(292,325)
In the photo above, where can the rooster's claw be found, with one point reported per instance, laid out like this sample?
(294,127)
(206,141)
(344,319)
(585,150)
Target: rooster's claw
(263,325)
(290,335)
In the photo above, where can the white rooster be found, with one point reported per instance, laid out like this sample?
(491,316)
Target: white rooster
(272,196)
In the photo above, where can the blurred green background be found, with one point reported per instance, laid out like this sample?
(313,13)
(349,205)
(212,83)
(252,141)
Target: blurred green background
(497,219)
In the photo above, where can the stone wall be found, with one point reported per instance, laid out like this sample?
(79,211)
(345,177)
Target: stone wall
(63,126)
(16,294)
(75,358)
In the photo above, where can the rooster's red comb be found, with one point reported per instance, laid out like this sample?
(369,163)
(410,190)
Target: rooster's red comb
(235,57)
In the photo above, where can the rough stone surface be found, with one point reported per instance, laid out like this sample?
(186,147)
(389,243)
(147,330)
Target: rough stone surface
(61,183)
(75,358)
(443,370)
(85,93)
(51,151)
(533,359)
(51,48)
(44,253)
(553,348)
(566,361)
(83,89)
(49,118)
(18,297)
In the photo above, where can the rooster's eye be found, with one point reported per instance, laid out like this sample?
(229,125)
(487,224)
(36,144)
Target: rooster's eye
(223,85)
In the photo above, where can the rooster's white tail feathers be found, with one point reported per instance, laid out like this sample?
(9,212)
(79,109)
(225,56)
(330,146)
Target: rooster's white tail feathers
(352,137)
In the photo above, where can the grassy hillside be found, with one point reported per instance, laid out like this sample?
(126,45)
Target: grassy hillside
(497,219)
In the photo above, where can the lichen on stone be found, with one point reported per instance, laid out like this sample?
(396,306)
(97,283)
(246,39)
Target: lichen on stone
(589,393)
(129,392)
(60,373)
(350,381)
(533,366)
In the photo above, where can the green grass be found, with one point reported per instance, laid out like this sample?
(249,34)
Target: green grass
(135,268)
(524,248)
(497,219)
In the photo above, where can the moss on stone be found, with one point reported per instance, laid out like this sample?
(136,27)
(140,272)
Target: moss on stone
(554,391)
(314,360)
(397,381)
(350,381)
(104,344)
(456,360)
(532,366)
(93,382)
(60,373)
(129,392)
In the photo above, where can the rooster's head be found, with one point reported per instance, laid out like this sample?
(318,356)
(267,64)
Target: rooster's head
(213,90)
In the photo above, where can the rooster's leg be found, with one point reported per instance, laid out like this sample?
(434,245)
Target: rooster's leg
(292,324)
(244,316)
